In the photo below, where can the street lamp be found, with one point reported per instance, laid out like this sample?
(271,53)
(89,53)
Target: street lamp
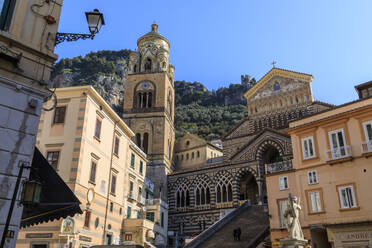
(31,192)
(95,21)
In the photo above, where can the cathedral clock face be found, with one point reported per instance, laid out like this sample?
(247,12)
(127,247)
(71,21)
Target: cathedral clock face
(145,85)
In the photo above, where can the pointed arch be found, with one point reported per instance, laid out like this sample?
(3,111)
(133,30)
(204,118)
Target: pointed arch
(223,186)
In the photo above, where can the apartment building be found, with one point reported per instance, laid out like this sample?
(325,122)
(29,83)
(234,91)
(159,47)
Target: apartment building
(331,174)
(27,39)
(89,146)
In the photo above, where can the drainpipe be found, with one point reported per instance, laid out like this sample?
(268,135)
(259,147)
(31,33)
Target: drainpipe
(109,183)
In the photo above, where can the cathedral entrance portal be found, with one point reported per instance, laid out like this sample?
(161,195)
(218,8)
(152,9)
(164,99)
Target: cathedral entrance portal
(269,152)
(248,188)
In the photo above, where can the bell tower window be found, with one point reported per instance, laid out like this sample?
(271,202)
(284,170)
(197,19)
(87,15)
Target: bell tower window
(135,68)
(148,65)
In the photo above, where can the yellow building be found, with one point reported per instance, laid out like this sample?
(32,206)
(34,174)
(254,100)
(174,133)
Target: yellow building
(89,146)
(331,174)
(191,151)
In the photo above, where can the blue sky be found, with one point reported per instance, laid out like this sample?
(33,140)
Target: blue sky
(214,42)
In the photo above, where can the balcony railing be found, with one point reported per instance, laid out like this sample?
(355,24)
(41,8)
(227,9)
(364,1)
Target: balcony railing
(338,153)
(149,202)
(367,146)
(131,195)
(141,200)
(279,166)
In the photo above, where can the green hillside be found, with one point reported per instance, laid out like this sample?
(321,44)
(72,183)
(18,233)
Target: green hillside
(206,113)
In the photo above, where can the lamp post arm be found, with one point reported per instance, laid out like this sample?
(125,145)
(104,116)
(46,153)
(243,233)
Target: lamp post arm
(61,37)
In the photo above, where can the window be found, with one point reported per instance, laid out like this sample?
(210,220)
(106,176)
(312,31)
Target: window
(87,218)
(192,155)
(59,113)
(312,177)
(198,154)
(276,86)
(129,212)
(116,146)
(39,245)
(131,185)
(162,219)
(315,204)
(111,207)
(368,130)
(128,237)
(370,91)
(52,158)
(145,142)
(347,196)
(93,169)
(138,214)
(113,184)
(364,93)
(141,167)
(308,147)
(139,191)
(283,183)
(138,139)
(187,156)
(132,160)
(337,141)
(97,132)
(282,205)
(108,240)
(150,216)
(6,10)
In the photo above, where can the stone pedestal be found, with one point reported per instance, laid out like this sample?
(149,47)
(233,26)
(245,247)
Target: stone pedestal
(293,243)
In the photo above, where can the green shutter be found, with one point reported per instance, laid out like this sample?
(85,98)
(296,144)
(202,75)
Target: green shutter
(141,167)
(129,212)
(150,216)
(138,214)
(132,160)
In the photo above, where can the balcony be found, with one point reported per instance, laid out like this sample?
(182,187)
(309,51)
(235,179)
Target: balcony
(339,155)
(367,147)
(141,200)
(149,202)
(131,195)
(279,167)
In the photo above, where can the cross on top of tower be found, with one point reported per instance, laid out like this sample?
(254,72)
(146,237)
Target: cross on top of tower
(273,63)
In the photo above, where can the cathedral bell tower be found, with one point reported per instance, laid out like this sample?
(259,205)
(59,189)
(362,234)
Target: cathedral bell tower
(149,105)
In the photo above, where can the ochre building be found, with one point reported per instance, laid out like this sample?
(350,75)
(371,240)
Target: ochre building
(331,175)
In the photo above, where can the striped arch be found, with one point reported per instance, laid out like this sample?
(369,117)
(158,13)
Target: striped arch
(265,145)
(237,179)
(243,171)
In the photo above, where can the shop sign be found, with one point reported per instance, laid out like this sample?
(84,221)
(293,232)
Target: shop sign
(85,238)
(38,235)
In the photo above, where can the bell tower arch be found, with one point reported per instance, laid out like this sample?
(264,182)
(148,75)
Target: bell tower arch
(148,105)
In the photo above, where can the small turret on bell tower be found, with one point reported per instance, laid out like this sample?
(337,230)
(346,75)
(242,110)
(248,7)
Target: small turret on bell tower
(149,105)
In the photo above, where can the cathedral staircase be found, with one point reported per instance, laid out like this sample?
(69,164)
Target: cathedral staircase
(253,221)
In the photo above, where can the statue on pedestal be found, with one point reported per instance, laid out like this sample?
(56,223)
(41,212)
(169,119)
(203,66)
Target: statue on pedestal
(292,215)
(292,222)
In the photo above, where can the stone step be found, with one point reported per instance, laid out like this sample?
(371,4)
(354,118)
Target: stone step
(252,220)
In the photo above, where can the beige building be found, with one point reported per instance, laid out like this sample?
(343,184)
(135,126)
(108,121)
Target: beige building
(27,36)
(331,175)
(89,146)
(191,151)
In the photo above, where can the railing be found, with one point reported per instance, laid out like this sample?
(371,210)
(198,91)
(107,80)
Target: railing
(141,199)
(279,166)
(131,195)
(215,160)
(366,146)
(149,202)
(338,153)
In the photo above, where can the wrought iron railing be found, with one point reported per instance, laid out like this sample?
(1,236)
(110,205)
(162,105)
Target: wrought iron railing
(279,166)
(338,153)
(366,146)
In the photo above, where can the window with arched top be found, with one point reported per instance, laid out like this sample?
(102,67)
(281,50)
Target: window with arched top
(198,154)
(169,102)
(202,193)
(164,64)
(276,86)
(144,95)
(145,142)
(182,195)
(135,68)
(148,65)
(192,155)
(223,188)
(187,156)
(138,140)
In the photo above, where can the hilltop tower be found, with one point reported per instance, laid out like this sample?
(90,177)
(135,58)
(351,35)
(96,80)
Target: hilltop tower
(149,105)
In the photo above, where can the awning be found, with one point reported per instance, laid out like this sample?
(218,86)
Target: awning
(56,200)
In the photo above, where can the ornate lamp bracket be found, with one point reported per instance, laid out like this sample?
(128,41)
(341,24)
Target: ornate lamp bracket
(61,37)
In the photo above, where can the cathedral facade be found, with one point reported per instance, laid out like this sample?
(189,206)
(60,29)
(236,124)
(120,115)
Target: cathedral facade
(201,182)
